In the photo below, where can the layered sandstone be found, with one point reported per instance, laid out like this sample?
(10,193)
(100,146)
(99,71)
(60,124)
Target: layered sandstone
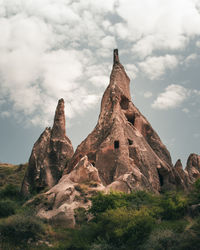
(49,156)
(127,152)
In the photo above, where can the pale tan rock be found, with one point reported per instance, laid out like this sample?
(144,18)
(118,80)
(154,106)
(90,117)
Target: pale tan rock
(84,172)
(67,196)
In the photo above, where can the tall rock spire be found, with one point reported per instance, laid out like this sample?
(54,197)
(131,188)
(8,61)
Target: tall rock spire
(124,148)
(49,155)
(58,129)
(115,56)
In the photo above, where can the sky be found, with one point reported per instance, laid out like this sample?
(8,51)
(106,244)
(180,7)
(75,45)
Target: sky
(54,49)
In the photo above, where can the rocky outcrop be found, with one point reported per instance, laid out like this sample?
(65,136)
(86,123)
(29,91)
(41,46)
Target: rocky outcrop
(49,156)
(61,203)
(183,175)
(125,149)
(193,167)
(122,153)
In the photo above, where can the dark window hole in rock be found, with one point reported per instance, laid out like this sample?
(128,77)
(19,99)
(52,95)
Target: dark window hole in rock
(130,142)
(130,118)
(124,103)
(116,144)
(160,178)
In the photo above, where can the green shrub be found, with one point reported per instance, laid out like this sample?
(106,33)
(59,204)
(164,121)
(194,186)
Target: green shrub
(102,202)
(20,228)
(126,226)
(162,239)
(194,195)
(7,208)
(10,191)
(80,215)
(173,206)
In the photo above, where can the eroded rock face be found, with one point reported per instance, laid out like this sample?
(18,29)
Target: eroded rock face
(71,193)
(49,156)
(123,146)
(193,167)
(183,174)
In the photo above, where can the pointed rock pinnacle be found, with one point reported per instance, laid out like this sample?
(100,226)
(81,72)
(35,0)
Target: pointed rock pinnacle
(115,56)
(58,129)
(49,156)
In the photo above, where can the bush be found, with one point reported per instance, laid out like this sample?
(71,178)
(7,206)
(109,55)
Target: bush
(126,226)
(7,208)
(20,228)
(102,202)
(173,206)
(10,191)
(194,196)
(162,239)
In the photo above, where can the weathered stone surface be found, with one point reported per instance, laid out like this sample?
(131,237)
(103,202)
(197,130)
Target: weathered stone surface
(123,142)
(49,156)
(84,172)
(184,180)
(193,167)
(68,195)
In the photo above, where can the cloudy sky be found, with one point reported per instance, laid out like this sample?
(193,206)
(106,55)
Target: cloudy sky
(63,48)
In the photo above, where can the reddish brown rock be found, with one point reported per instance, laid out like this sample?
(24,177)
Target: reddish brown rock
(183,180)
(49,156)
(123,146)
(193,167)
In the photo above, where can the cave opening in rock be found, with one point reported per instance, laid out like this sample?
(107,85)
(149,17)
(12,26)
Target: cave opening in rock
(130,142)
(116,144)
(130,118)
(160,178)
(124,103)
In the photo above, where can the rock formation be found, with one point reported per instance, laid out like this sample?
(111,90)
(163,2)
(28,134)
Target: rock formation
(49,156)
(122,153)
(71,193)
(183,174)
(193,167)
(125,149)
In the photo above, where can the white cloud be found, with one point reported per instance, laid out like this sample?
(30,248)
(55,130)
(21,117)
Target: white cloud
(5,114)
(148,94)
(132,71)
(198,44)
(185,110)
(155,67)
(172,97)
(44,55)
(153,25)
(52,49)
(190,58)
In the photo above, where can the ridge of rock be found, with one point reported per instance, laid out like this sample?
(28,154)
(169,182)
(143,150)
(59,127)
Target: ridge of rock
(49,156)
(123,146)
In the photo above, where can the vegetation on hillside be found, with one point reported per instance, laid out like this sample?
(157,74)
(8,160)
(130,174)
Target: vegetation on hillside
(135,221)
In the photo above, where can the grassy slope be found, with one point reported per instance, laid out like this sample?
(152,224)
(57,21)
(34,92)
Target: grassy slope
(121,221)
(12,174)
